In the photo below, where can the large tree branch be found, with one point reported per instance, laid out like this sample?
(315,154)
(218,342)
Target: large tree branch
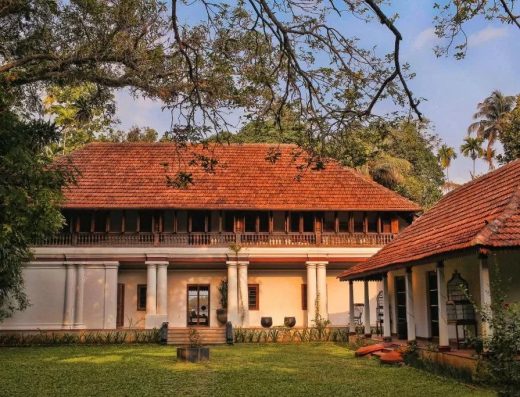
(514,19)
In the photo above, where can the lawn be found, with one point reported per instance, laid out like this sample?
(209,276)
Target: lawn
(246,370)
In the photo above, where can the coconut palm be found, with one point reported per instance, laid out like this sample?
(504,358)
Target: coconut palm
(472,147)
(445,155)
(490,120)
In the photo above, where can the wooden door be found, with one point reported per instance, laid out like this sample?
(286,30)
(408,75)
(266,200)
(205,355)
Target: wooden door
(120,316)
(400,301)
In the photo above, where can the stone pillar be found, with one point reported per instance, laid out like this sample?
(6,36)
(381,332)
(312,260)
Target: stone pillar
(70,295)
(243,296)
(442,292)
(387,333)
(110,315)
(162,290)
(151,295)
(366,310)
(232,299)
(410,314)
(351,320)
(485,294)
(311,293)
(79,297)
(321,284)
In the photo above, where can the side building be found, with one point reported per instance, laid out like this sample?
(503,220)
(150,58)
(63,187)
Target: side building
(154,232)
(457,255)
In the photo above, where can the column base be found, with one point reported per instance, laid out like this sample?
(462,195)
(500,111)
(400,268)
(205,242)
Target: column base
(387,339)
(155,320)
(444,348)
(368,335)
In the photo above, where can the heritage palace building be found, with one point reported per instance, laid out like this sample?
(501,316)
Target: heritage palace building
(137,251)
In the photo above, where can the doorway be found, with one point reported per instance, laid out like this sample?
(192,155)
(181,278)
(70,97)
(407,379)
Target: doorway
(433,304)
(198,305)
(400,302)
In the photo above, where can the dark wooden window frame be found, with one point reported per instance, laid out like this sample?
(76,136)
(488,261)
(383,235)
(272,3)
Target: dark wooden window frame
(256,287)
(304,296)
(140,288)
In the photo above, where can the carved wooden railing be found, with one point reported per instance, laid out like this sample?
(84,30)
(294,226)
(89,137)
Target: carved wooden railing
(217,239)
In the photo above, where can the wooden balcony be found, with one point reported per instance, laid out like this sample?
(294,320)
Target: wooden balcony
(102,239)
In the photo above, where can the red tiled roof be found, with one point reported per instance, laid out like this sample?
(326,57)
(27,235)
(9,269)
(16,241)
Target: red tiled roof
(133,175)
(484,212)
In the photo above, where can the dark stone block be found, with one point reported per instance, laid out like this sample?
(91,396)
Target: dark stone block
(193,354)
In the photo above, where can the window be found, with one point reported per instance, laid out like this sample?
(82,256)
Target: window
(100,221)
(372,219)
(85,219)
(329,222)
(295,222)
(358,222)
(263,222)
(249,222)
(304,296)
(198,221)
(141,297)
(279,221)
(343,218)
(131,221)
(182,221)
(308,221)
(146,221)
(386,223)
(229,221)
(116,220)
(168,221)
(253,296)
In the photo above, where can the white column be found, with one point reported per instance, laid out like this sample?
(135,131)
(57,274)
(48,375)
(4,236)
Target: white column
(110,313)
(311,293)
(151,295)
(366,310)
(80,287)
(387,333)
(243,298)
(410,314)
(351,321)
(485,294)
(162,289)
(321,283)
(232,304)
(70,294)
(442,292)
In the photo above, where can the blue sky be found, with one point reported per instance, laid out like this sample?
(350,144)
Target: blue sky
(452,88)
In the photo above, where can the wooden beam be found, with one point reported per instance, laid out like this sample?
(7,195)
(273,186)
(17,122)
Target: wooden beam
(123,221)
(92,222)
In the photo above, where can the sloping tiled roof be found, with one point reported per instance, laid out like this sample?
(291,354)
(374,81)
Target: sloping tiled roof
(484,212)
(133,175)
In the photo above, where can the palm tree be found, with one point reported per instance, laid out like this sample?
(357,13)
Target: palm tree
(472,147)
(490,120)
(445,155)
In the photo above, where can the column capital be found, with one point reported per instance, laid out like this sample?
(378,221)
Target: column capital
(316,263)
(237,263)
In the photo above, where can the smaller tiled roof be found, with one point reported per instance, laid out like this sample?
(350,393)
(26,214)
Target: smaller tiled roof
(134,175)
(482,213)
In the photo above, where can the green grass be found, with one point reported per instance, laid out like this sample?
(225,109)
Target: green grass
(248,370)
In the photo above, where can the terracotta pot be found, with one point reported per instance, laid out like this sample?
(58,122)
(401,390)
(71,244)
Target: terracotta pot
(222,316)
(266,322)
(289,321)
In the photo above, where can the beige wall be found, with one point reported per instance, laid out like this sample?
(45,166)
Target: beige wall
(280,295)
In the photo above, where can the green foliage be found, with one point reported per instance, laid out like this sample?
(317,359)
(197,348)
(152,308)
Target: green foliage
(134,134)
(290,335)
(80,113)
(472,148)
(223,293)
(499,365)
(510,136)
(194,338)
(30,194)
(52,338)
(445,154)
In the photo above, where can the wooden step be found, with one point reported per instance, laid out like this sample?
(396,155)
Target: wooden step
(208,336)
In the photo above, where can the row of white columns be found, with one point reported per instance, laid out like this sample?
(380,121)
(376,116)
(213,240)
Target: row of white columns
(316,292)
(156,293)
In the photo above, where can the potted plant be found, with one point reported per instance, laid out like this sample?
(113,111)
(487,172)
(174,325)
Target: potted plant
(289,321)
(266,322)
(195,352)
(222,312)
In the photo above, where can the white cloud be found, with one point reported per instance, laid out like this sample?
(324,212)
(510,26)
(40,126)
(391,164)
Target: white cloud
(423,39)
(487,34)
